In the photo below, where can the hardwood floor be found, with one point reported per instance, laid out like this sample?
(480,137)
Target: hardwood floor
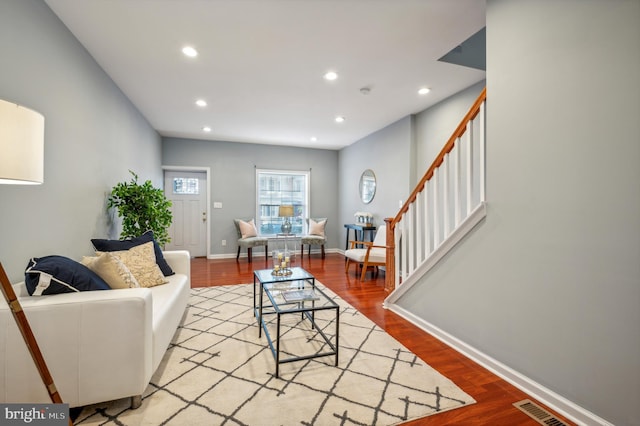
(494,396)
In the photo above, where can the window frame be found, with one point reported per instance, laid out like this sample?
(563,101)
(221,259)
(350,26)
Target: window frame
(298,222)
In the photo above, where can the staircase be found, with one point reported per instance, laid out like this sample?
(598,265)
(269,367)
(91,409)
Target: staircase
(446,204)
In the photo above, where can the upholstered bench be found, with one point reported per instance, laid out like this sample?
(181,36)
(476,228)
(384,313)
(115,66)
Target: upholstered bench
(316,235)
(248,238)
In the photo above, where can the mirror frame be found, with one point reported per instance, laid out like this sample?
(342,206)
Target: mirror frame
(367,186)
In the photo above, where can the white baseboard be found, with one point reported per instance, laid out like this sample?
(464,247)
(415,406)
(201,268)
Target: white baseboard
(546,396)
(257,255)
(225,256)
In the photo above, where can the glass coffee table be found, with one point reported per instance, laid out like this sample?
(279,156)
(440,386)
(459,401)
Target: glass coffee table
(295,293)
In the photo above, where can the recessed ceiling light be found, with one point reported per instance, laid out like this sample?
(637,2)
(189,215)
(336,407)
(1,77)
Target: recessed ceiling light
(339,119)
(190,51)
(206,129)
(424,91)
(331,75)
(201,103)
(314,139)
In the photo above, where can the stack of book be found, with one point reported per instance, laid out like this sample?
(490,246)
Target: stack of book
(299,295)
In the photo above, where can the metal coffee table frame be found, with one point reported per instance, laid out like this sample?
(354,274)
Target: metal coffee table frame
(307,308)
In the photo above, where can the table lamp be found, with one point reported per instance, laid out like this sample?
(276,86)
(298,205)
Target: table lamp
(286,211)
(22,163)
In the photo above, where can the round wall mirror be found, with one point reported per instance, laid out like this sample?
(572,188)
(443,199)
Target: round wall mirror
(367,186)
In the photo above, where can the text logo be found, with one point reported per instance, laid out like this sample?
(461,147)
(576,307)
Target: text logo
(34,414)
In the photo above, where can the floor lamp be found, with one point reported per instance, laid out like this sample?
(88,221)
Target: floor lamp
(21,163)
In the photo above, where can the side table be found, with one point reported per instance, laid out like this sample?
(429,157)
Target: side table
(287,244)
(359,228)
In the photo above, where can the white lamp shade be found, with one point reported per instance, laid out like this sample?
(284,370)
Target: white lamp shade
(21,145)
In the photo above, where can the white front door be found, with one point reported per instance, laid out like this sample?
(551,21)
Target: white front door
(188,194)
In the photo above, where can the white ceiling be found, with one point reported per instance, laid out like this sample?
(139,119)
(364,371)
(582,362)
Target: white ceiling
(261,62)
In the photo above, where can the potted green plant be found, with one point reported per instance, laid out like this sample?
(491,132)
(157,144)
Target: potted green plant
(142,208)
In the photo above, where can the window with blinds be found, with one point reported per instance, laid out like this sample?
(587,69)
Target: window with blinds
(277,188)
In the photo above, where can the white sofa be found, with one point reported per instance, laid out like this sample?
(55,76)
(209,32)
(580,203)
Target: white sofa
(98,345)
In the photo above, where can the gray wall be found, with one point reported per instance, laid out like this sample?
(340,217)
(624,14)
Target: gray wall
(93,135)
(388,153)
(233,181)
(549,284)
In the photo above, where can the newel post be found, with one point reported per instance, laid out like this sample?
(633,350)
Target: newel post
(390,272)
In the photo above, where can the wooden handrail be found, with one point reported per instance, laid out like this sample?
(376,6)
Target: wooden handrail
(391,222)
(460,130)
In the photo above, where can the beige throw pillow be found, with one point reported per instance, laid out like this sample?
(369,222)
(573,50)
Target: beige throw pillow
(141,261)
(248,229)
(317,228)
(112,270)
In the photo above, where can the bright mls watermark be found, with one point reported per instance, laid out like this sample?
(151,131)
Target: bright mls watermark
(34,414)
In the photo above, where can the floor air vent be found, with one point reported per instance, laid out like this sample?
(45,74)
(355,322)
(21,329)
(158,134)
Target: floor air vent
(538,413)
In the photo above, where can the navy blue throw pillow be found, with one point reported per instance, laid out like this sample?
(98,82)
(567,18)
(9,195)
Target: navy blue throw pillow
(118,245)
(59,274)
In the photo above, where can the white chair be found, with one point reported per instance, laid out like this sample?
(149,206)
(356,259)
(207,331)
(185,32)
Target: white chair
(370,253)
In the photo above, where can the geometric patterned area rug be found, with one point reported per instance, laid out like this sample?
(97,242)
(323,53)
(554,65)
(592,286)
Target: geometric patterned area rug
(217,371)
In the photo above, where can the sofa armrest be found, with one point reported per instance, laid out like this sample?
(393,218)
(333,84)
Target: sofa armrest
(180,262)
